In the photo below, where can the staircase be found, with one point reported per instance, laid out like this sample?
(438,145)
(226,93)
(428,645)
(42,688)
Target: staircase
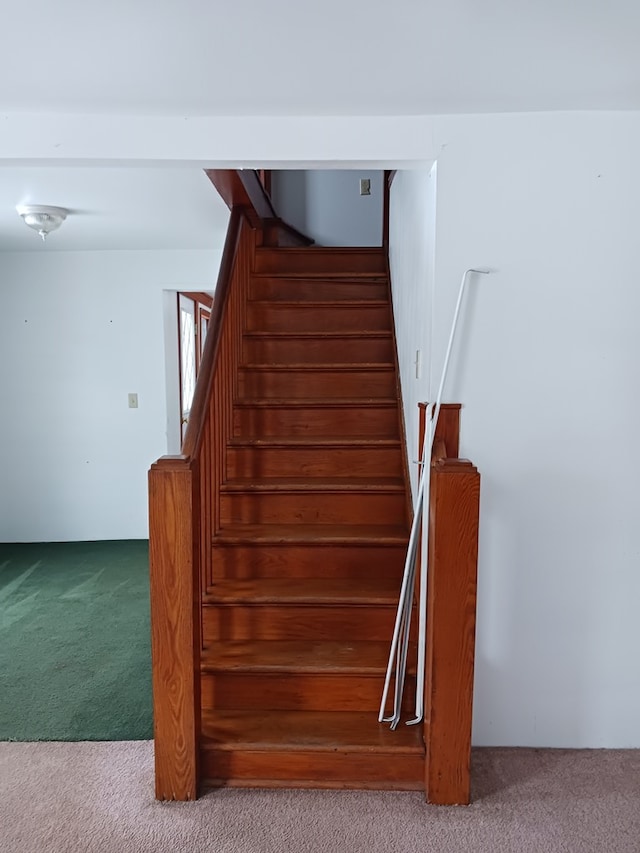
(313,526)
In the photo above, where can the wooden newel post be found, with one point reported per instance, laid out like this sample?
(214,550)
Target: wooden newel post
(175,626)
(451,621)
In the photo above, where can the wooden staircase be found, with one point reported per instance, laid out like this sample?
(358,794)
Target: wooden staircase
(313,531)
(278,536)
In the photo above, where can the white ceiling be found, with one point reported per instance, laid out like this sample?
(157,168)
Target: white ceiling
(335,57)
(114,208)
(190,58)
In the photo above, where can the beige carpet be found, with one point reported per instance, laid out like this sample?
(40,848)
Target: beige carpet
(68,797)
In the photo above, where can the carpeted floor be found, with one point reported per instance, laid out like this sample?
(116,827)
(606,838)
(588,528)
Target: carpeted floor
(74,664)
(72,797)
(75,660)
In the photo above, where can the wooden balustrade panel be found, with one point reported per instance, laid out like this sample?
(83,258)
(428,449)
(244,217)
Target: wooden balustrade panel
(224,390)
(175,625)
(451,612)
(451,615)
(184,513)
(205,465)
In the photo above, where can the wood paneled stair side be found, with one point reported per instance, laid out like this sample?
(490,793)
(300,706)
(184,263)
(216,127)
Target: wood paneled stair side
(307,561)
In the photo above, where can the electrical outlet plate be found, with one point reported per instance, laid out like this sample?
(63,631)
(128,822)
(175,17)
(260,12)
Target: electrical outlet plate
(365,186)
(133,401)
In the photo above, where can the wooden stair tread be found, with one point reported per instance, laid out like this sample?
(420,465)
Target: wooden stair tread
(313,335)
(320,441)
(314,484)
(317,250)
(350,278)
(316,402)
(320,303)
(326,731)
(365,591)
(334,367)
(300,656)
(380,535)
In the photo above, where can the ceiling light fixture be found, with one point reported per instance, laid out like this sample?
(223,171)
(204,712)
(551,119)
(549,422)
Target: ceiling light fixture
(43,218)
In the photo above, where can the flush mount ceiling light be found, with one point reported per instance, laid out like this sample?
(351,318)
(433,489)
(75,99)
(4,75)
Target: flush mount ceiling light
(43,218)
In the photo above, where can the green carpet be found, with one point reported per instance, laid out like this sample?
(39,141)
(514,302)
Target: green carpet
(75,659)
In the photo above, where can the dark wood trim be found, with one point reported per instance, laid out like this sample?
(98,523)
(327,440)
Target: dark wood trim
(232,191)
(386,198)
(439,450)
(278,233)
(242,188)
(448,428)
(451,612)
(402,427)
(202,312)
(195,426)
(229,187)
(265,179)
(257,194)
(175,626)
(451,620)
(199,296)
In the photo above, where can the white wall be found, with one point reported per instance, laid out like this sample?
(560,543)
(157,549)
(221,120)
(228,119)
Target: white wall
(547,372)
(547,376)
(289,194)
(326,205)
(78,332)
(412,236)
(232,142)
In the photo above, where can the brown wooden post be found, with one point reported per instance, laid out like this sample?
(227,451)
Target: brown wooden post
(175,629)
(451,617)
(447,428)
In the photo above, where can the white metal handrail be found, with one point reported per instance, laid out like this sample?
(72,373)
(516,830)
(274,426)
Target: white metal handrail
(400,639)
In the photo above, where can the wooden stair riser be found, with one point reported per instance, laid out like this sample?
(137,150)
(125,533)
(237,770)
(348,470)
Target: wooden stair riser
(261,349)
(313,462)
(320,262)
(337,507)
(224,691)
(248,562)
(315,382)
(296,622)
(287,769)
(337,770)
(315,317)
(301,420)
(297,288)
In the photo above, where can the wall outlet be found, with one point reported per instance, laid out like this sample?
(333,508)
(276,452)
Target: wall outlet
(365,186)
(133,401)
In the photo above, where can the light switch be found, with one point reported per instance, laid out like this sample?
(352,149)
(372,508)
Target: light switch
(133,401)
(365,186)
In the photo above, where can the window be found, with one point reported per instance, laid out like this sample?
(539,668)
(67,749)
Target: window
(194,313)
